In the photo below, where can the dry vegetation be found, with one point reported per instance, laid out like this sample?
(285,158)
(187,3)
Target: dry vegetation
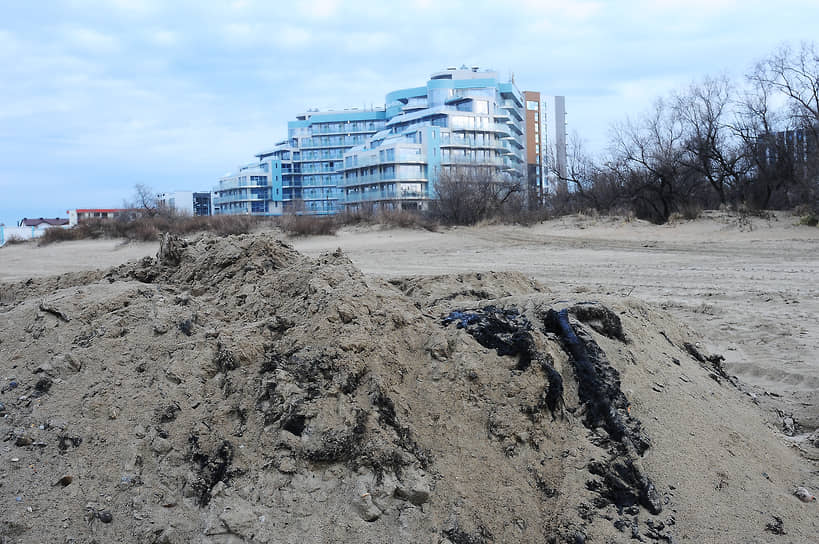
(145,229)
(715,144)
(149,228)
(16,240)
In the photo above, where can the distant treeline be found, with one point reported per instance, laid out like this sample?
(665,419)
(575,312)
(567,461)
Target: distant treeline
(749,145)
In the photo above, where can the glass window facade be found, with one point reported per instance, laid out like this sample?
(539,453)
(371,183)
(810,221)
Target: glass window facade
(390,156)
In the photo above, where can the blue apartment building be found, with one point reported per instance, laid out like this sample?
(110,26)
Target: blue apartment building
(303,173)
(461,118)
(388,157)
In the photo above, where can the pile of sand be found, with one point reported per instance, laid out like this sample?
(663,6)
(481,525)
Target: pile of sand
(233,390)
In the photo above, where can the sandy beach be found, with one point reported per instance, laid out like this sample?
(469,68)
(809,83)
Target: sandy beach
(748,285)
(235,390)
(749,288)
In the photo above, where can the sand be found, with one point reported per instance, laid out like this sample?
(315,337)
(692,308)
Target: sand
(28,260)
(233,390)
(748,286)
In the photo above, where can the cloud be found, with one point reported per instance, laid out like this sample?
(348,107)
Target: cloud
(91,40)
(136,8)
(364,42)
(163,38)
(179,92)
(320,9)
(560,9)
(254,35)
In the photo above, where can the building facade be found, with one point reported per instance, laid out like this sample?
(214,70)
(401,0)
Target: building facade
(303,173)
(555,156)
(392,156)
(186,202)
(794,147)
(81,214)
(535,145)
(461,118)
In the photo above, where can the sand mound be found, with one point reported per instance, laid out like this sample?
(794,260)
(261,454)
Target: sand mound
(233,390)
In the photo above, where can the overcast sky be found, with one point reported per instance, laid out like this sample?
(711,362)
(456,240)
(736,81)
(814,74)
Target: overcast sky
(96,96)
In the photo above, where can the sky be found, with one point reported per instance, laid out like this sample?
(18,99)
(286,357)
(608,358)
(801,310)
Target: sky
(98,96)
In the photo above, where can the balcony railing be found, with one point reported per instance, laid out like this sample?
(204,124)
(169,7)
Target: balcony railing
(332,141)
(235,184)
(370,196)
(358,180)
(218,201)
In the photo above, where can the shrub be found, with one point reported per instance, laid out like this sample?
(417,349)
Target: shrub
(142,231)
(57,234)
(14,239)
(92,228)
(308,225)
(691,211)
(528,217)
(468,195)
(224,225)
(406,219)
(809,220)
(361,215)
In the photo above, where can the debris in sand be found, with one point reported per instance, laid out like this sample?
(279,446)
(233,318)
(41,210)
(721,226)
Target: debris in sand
(626,482)
(788,426)
(52,309)
(804,495)
(11,385)
(505,331)
(715,360)
(509,333)
(777,526)
(600,318)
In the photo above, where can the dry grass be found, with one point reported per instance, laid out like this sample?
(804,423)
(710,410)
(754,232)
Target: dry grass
(56,234)
(147,229)
(809,220)
(308,225)
(14,239)
(406,219)
(403,219)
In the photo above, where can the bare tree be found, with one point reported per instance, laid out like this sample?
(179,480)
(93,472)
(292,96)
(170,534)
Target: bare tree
(791,148)
(465,195)
(582,184)
(707,146)
(144,201)
(770,168)
(711,149)
(649,157)
(795,74)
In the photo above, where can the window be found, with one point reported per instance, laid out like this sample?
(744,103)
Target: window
(531,105)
